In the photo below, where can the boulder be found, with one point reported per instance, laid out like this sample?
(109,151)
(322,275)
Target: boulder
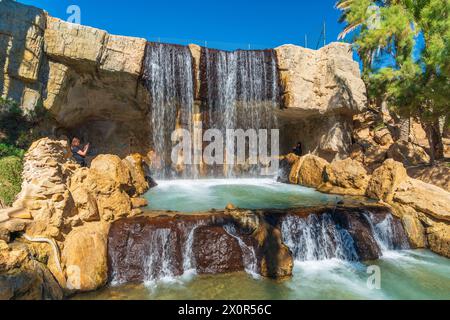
(137,167)
(30,281)
(408,153)
(308,171)
(138,203)
(85,257)
(216,251)
(113,167)
(111,201)
(347,177)
(439,239)
(437,174)
(386,179)
(383,137)
(425,198)
(415,231)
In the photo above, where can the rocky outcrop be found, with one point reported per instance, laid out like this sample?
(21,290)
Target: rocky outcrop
(85,257)
(408,153)
(66,208)
(346,177)
(89,82)
(322,90)
(386,179)
(22,278)
(308,171)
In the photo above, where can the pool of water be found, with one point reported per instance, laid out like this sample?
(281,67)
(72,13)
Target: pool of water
(202,195)
(409,274)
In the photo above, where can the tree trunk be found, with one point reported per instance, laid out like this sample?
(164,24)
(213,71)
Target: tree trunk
(405,127)
(434,136)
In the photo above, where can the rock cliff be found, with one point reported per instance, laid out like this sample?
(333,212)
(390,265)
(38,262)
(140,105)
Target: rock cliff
(90,82)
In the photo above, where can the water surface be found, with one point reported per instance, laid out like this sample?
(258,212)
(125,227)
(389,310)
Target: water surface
(409,274)
(202,195)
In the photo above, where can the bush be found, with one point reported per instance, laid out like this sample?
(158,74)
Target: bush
(10,178)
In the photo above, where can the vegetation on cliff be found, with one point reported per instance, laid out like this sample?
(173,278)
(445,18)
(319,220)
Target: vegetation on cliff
(404,47)
(17,131)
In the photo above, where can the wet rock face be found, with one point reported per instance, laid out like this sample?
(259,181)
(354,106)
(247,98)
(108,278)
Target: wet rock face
(216,251)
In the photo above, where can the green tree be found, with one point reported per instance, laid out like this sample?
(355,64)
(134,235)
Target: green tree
(404,46)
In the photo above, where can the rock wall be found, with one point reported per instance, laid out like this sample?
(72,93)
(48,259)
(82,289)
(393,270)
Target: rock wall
(89,81)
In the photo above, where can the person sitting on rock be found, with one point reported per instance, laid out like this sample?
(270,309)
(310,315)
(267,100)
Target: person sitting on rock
(298,150)
(79,153)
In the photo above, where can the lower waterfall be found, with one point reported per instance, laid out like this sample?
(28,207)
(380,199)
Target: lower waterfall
(322,237)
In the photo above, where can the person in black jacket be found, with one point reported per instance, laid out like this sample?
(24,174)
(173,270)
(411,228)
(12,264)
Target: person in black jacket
(79,153)
(298,150)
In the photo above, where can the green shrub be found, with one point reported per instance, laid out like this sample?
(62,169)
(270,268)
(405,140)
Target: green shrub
(10,178)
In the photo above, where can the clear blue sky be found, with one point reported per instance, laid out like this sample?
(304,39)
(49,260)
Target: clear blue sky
(224,24)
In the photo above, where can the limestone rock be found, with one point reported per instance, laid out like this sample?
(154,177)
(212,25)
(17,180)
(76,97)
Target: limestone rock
(85,257)
(408,154)
(138,170)
(386,179)
(415,231)
(346,177)
(138,203)
(21,41)
(44,193)
(439,239)
(320,81)
(31,281)
(438,174)
(123,54)
(75,44)
(383,137)
(113,167)
(424,197)
(97,194)
(308,171)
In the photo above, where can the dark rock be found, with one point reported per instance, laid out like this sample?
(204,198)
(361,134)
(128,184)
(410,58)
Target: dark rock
(216,251)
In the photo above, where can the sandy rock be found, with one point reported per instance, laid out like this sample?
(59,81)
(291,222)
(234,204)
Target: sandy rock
(137,167)
(346,177)
(98,195)
(386,179)
(415,231)
(85,257)
(44,193)
(424,197)
(308,171)
(320,81)
(383,137)
(408,153)
(439,239)
(32,281)
(113,167)
(438,174)
(138,203)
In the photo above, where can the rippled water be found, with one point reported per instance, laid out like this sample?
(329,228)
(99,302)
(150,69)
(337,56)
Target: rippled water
(409,274)
(201,195)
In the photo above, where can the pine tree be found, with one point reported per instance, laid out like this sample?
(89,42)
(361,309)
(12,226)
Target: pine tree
(404,46)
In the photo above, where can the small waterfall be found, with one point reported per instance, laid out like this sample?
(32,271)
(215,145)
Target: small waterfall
(249,255)
(317,237)
(388,232)
(168,76)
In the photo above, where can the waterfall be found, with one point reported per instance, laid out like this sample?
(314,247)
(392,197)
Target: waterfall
(323,236)
(240,91)
(168,76)
(317,237)
(248,252)
(388,232)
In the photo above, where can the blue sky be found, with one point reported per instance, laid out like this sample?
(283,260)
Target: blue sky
(223,24)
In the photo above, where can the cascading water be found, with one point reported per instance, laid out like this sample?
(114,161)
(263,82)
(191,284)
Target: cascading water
(317,237)
(240,91)
(387,232)
(168,76)
(321,237)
